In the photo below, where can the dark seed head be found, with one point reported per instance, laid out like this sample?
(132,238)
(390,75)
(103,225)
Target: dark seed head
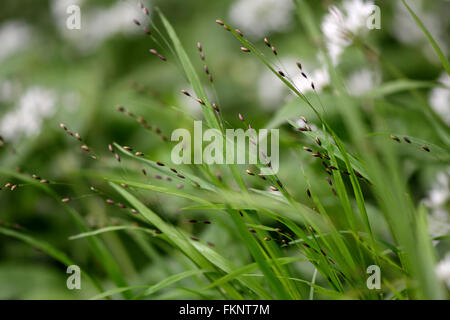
(215,107)
(136,22)
(205,67)
(13,187)
(220,22)
(173,170)
(244,49)
(195,238)
(252,230)
(120,108)
(202,56)
(139,154)
(426,148)
(144,172)
(200,101)
(199,47)
(304,119)
(312,86)
(239,32)
(395,138)
(77,135)
(329,181)
(63,126)
(207,222)
(304,75)
(35,176)
(180,176)
(211,244)
(406,140)
(308,193)
(334,191)
(160,164)
(146,11)
(121,205)
(266,41)
(266,239)
(299,65)
(117,156)
(273,188)
(124,185)
(193,221)
(281,73)
(249,172)
(261,176)
(307,149)
(128,148)
(332,167)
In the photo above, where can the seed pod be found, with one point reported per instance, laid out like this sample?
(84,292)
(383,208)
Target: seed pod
(199,47)
(146,11)
(307,149)
(168,178)
(406,140)
(239,32)
(249,172)
(244,49)
(139,154)
(395,138)
(110,148)
(13,187)
(326,156)
(332,167)
(144,172)
(312,86)
(426,148)
(220,22)
(304,75)
(63,126)
(124,185)
(210,77)
(329,172)
(160,164)
(128,148)
(65,199)
(193,221)
(136,22)
(121,205)
(266,41)
(160,56)
(200,101)
(69,132)
(274,50)
(215,107)
(202,56)
(273,188)
(281,73)
(334,191)
(77,135)
(241,117)
(120,108)
(173,170)
(207,222)
(299,65)
(35,177)
(252,230)
(180,186)
(85,148)
(205,67)
(195,238)
(261,176)
(44,181)
(147,31)
(316,154)
(304,119)
(211,244)
(306,245)
(266,239)
(180,176)
(346,172)
(323,252)
(117,156)
(329,181)
(308,193)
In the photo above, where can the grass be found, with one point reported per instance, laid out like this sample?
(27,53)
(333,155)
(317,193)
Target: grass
(335,237)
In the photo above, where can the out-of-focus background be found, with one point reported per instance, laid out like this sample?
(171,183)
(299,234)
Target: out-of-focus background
(50,74)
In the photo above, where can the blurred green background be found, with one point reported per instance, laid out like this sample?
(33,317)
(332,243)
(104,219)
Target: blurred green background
(51,75)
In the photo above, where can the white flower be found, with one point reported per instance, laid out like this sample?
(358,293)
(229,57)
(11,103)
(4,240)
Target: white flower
(437,202)
(440,98)
(33,107)
(14,36)
(272,91)
(443,270)
(99,24)
(362,81)
(340,27)
(257,18)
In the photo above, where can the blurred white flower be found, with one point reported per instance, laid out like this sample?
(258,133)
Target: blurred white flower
(362,81)
(15,35)
(257,18)
(440,98)
(97,25)
(437,202)
(443,270)
(339,27)
(405,29)
(272,91)
(34,106)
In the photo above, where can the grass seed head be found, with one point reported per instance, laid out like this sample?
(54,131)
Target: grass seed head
(307,149)
(244,49)
(44,181)
(426,148)
(136,22)
(63,126)
(239,32)
(220,22)
(266,41)
(395,138)
(275,52)
(308,192)
(116,155)
(65,199)
(139,154)
(406,140)
(299,65)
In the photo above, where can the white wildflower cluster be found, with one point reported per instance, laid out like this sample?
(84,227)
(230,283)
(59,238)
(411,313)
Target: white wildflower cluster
(362,81)
(340,27)
(438,201)
(27,117)
(443,270)
(15,35)
(440,98)
(97,25)
(257,18)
